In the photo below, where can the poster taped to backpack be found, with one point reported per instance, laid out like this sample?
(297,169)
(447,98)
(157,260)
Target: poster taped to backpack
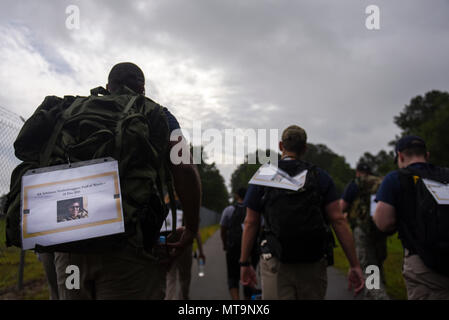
(271,176)
(63,204)
(168,225)
(439,191)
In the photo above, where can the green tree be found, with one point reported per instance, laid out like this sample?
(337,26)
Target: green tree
(215,195)
(319,154)
(244,172)
(428,117)
(336,165)
(381,163)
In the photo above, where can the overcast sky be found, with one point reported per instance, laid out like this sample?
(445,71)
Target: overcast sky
(238,64)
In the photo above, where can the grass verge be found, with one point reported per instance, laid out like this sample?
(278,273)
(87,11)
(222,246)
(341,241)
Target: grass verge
(35,286)
(206,233)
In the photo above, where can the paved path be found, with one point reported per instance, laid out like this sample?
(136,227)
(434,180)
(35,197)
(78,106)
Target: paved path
(213,285)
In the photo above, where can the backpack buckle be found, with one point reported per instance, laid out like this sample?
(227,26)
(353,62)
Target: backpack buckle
(267,256)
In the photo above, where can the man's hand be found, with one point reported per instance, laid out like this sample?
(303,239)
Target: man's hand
(177,242)
(248,276)
(356,280)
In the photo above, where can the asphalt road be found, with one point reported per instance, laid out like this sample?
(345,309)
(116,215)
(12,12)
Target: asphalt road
(213,285)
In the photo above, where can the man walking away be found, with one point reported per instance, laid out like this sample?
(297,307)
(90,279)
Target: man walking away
(231,223)
(370,242)
(295,241)
(405,204)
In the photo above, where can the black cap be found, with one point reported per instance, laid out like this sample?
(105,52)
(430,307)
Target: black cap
(408,142)
(363,167)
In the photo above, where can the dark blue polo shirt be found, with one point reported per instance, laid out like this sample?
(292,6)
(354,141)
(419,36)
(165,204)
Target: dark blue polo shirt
(389,190)
(173,124)
(254,194)
(350,192)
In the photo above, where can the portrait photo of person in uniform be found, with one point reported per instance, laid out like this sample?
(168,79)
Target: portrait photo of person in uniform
(71,209)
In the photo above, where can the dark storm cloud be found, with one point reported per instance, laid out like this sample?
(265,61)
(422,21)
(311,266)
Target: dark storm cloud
(307,62)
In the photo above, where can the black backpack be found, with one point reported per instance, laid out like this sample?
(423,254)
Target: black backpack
(295,227)
(235,231)
(423,223)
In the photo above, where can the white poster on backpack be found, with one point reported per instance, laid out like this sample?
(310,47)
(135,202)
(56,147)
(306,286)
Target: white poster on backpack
(63,204)
(439,190)
(271,176)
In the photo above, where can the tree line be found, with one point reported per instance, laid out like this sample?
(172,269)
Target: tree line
(426,116)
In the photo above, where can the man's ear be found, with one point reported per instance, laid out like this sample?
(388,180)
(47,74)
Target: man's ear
(401,157)
(305,149)
(427,156)
(281,146)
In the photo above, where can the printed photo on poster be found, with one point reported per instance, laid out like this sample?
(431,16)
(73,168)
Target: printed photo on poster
(72,209)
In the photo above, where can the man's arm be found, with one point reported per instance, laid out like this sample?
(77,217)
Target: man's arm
(187,184)
(385,217)
(200,246)
(344,208)
(251,227)
(344,235)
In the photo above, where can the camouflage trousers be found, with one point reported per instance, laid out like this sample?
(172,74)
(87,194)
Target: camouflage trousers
(371,251)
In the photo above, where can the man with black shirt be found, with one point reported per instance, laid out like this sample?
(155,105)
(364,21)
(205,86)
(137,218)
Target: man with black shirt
(231,235)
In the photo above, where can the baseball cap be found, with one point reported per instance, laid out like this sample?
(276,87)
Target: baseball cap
(363,167)
(408,142)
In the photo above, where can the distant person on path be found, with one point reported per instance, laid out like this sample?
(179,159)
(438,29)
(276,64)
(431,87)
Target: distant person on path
(405,204)
(370,242)
(231,223)
(295,238)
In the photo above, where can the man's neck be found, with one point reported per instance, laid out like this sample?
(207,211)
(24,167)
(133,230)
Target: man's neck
(288,154)
(414,160)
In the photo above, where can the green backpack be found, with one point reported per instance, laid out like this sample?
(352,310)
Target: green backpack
(128,127)
(359,213)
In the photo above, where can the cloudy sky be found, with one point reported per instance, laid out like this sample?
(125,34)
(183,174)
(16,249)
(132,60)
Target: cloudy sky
(237,64)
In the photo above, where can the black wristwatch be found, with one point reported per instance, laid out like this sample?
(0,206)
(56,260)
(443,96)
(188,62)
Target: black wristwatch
(244,264)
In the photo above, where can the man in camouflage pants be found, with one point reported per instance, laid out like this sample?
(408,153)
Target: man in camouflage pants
(371,244)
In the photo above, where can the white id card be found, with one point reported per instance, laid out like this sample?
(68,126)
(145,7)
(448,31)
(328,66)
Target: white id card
(69,203)
(271,176)
(439,190)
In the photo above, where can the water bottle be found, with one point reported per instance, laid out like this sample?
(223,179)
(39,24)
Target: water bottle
(257,296)
(161,252)
(200,267)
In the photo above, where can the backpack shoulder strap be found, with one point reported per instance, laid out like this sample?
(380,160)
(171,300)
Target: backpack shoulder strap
(66,108)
